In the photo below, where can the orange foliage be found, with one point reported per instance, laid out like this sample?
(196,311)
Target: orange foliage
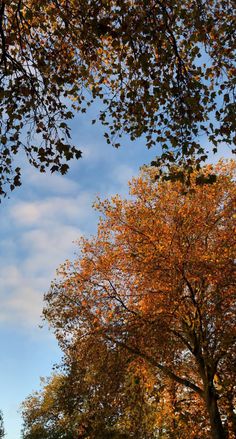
(158,280)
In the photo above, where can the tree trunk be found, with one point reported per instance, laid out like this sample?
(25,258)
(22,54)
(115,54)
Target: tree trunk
(217,429)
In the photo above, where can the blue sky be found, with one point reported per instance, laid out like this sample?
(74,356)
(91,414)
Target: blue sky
(38,225)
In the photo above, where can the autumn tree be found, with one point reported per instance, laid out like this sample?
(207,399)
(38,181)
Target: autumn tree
(159,69)
(42,414)
(158,281)
(85,401)
(108,393)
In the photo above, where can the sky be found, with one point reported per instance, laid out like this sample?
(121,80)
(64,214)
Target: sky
(39,225)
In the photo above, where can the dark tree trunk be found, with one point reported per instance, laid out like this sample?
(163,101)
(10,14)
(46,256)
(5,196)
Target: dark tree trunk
(210,396)
(217,429)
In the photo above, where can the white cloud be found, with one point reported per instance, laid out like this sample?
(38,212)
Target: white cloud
(59,209)
(24,307)
(55,183)
(40,235)
(47,248)
(122,174)
(20,302)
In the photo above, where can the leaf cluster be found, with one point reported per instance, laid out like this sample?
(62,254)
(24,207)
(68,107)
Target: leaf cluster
(162,70)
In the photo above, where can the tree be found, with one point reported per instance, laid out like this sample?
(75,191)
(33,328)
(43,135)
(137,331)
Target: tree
(80,403)
(158,281)
(163,70)
(42,413)
(108,396)
(2,431)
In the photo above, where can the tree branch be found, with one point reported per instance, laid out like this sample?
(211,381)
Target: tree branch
(164,369)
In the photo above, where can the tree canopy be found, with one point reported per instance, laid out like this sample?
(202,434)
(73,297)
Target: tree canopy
(42,412)
(160,69)
(77,404)
(107,393)
(157,283)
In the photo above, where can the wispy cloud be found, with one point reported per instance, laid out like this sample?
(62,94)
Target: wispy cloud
(21,303)
(39,236)
(53,183)
(48,210)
